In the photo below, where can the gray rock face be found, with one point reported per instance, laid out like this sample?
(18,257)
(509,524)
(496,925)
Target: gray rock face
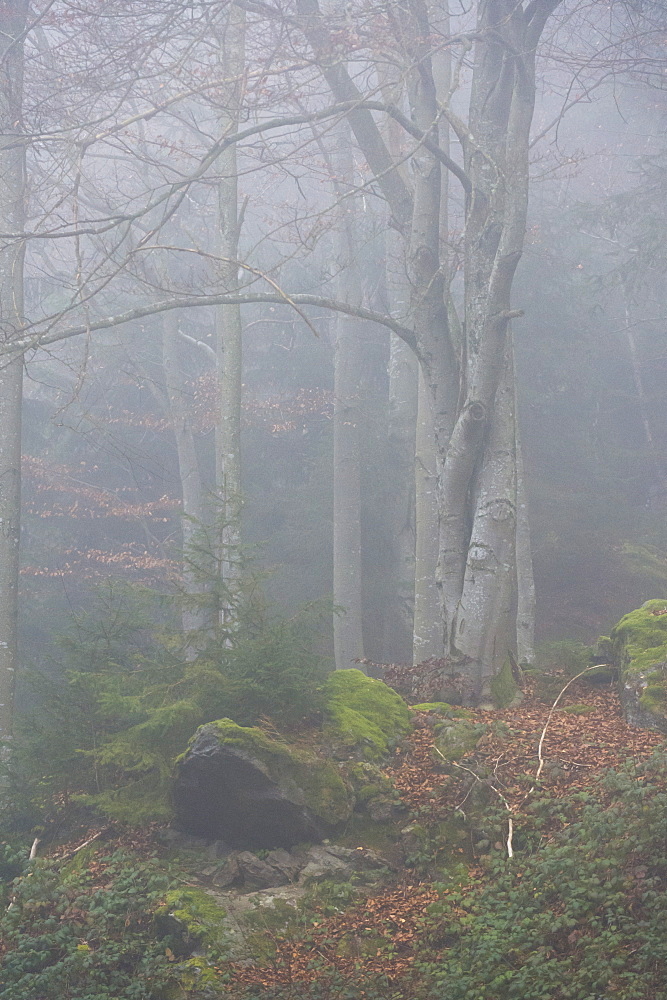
(245,872)
(224,792)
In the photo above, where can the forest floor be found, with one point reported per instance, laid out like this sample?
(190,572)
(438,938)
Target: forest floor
(529,750)
(586,735)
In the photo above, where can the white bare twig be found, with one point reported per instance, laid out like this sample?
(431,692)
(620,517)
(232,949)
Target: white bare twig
(510,824)
(540,756)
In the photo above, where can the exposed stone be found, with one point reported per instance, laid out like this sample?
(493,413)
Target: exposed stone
(334,862)
(239,785)
(258,874)
(284,863)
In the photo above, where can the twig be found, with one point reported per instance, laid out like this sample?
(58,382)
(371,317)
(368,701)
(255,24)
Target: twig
(510,825)
(96,836)
(540,758)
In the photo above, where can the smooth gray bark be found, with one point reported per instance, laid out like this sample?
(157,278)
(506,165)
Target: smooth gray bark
(462,378)
(347,418)
(12,214)
(180,410)
(526,598)
(490,574)
(400,514)
(229,329)
(427,630)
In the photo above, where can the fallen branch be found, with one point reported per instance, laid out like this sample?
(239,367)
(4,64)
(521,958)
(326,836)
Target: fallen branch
(70,854)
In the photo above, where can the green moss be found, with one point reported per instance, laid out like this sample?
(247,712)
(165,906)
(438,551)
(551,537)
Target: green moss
(364,714)
(196,920)
(443,708)
(641,637)
(143,801)
(300,773)
(368,781)
(503,686)
(362,831)
(578,709)
(638,648)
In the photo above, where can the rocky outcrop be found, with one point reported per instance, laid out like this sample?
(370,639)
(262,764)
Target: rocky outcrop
(238,785)
(637,647)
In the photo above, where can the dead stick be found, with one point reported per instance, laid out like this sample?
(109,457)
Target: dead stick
(70,854)
(540,758)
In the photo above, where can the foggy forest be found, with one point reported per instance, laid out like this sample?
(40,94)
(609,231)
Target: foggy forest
(333,499)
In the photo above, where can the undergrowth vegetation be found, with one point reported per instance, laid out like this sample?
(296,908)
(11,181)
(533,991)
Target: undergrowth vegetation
(576,915)
(125,698)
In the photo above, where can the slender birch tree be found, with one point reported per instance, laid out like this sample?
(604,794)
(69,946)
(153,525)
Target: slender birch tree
(229,328)
(13,14)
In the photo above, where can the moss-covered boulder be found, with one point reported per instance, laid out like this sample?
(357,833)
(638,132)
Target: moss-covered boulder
(364,715)
(238,785)
(638,649)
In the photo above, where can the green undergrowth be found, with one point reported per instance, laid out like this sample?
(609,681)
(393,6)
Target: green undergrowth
(87,933)
(124,698)
(581,917)
(577,913)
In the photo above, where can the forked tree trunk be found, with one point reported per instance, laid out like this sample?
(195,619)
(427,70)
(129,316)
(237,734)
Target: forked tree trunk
(12,213)
(476,474)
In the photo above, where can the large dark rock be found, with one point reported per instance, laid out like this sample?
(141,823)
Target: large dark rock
(238,785)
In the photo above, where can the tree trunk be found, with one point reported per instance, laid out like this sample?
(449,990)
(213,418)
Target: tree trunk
(476,474)
(189,475)
(348,636)
(525,600)
(427,632)
(484,628)
(12,214)
(229,330)
(403,369)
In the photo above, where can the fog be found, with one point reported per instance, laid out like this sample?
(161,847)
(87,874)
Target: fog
(235,234)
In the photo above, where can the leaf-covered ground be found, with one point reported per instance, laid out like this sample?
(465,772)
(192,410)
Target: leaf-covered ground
(379,936)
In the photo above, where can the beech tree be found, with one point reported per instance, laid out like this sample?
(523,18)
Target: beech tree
(12,248)
(469,378)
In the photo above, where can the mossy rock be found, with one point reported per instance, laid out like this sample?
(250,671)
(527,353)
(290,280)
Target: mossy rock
(239,785)
(459,737)
(364,715)
(191,918)
(638,649)
(368,781)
